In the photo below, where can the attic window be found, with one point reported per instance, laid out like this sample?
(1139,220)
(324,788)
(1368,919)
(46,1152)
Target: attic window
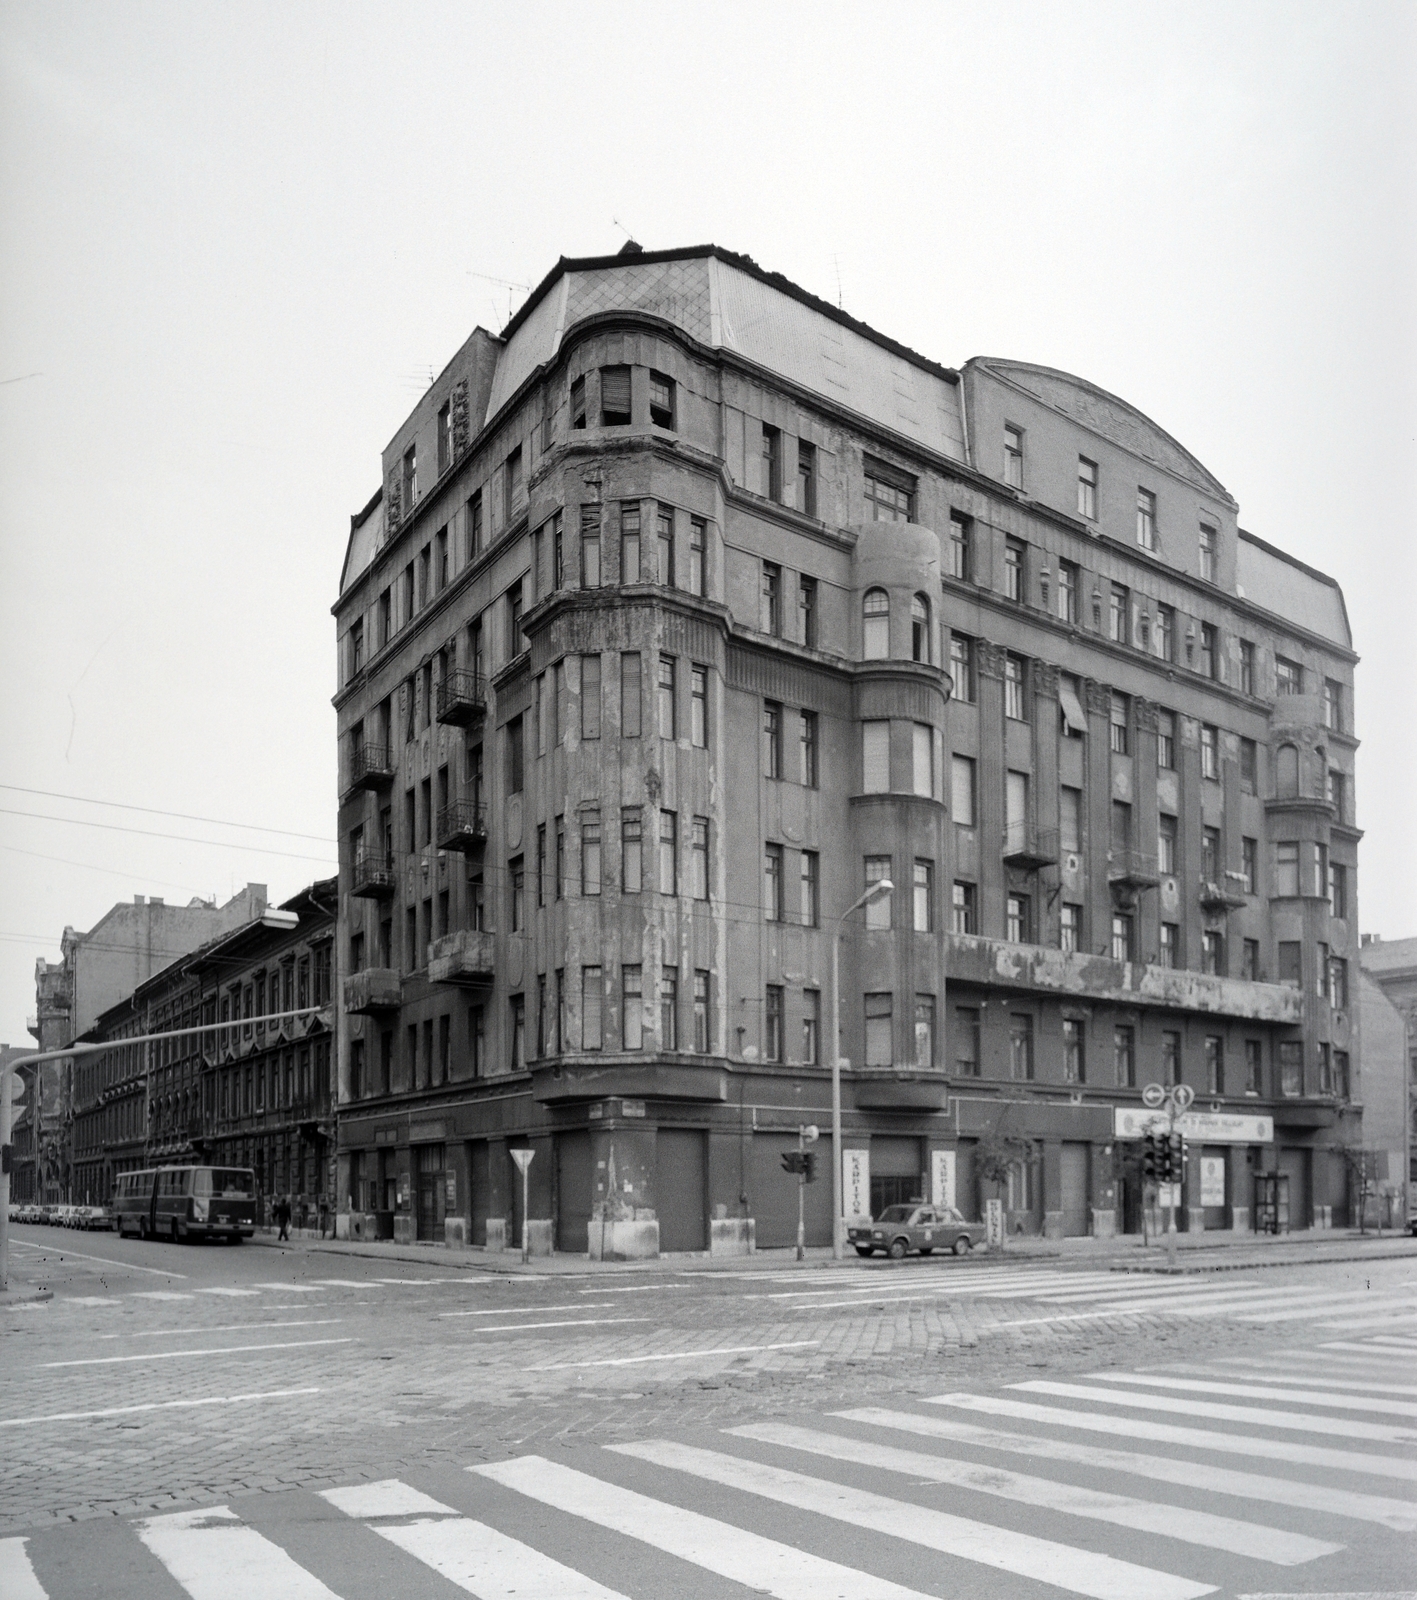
(578,402)
(661,400)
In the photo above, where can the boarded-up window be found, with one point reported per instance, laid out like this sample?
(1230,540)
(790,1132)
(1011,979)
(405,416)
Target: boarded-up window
(630,694)
(590,697)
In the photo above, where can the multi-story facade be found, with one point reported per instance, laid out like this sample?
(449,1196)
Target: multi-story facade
(95,970)
(690,607)
(255,1095)
(1390,967)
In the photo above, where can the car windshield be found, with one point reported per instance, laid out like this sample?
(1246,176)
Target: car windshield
(896,1214)
(951,1215)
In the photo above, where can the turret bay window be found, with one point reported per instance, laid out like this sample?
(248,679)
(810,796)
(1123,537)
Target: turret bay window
(590,549)
(614,396)
(876,757)
(698,556)
(920,645)
(630,543)
(875,625)
(878,911)
(592,1010)
(669,1008)
(878,1030)
(661,400)
(664,538)
(923,759)
(631,850)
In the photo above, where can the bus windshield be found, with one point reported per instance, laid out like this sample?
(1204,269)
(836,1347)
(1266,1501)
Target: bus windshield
(229,1181)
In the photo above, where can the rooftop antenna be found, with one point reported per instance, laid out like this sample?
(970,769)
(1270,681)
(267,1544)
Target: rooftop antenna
(621,226)
(506,283)
(836,262)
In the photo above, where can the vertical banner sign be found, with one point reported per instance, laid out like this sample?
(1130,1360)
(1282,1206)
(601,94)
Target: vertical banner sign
(1168,1194)
(1212,1180)
(994,1222)
(856,1183)
(942,1178)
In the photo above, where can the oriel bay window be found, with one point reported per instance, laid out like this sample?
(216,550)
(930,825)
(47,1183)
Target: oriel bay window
(875,625)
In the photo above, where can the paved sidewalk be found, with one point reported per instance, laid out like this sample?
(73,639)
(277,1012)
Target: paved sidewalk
(1216,1250)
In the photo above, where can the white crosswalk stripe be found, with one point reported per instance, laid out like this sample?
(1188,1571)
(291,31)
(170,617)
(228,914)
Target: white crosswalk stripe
(17,1579)
(204,1549)
(1250,1391)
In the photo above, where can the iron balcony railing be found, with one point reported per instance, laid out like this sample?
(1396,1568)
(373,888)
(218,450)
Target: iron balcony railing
(371,766)
(462,697)
(373,875)
(462,825)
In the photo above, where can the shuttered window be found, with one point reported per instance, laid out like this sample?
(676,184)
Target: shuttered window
(614,396)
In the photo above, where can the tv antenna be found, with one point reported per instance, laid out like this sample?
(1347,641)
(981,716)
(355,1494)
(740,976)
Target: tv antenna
(504,283)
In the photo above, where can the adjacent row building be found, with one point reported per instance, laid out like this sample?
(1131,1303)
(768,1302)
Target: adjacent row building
(687,608)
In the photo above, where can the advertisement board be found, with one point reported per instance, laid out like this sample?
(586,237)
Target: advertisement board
(856,1183)
(1203,1127)
(942,1178)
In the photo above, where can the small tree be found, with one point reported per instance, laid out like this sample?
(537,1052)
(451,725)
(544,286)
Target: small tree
(1360,1167)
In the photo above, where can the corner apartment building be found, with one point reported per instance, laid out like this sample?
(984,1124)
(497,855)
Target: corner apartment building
(96,969)
(1390,969)
(688,607)
(249,1093)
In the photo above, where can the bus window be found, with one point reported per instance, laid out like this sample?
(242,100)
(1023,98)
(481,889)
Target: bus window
(233,1181)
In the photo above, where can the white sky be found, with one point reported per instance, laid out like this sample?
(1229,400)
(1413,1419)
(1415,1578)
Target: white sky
(235,240)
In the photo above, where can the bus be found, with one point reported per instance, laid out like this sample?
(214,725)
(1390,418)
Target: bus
(186,1203)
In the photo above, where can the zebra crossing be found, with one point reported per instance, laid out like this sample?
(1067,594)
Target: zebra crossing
(1082,1296)
(1243,1476)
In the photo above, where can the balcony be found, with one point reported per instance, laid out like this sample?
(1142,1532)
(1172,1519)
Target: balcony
(373,990)
(462,826)
(1029,847)
(1221,895)
(1130,870)
(371,766)
(462,698)
(467,957)
(372,877)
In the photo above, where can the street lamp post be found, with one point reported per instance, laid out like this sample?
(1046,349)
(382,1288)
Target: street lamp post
(874,892)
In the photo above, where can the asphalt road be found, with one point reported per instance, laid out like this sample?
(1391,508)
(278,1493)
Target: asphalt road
(334,1423)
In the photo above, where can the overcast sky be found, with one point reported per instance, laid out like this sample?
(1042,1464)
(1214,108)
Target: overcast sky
(237,240)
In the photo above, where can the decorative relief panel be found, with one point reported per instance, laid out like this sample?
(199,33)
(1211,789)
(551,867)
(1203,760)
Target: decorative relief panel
(1097,696)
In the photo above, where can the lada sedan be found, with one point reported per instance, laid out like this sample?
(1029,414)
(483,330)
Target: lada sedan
(900,1229)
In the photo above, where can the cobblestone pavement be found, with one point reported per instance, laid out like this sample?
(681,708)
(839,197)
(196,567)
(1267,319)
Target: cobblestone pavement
(162,1376)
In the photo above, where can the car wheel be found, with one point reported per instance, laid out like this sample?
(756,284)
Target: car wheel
(897,1250)
(961,1245)
(864,1250)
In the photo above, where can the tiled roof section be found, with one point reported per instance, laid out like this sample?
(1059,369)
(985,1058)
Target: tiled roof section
(678,291)
(1291,590)
(1388,955)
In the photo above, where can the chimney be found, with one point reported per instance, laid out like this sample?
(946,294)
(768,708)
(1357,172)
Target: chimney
(138,900)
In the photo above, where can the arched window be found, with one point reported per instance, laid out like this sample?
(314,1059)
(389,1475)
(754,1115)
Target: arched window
(920,629)
(876,625)
(1286,769)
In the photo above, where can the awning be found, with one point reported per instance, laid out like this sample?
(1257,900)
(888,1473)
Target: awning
(1073,716)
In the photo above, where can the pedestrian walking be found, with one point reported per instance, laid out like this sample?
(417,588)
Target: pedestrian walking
(283,1218)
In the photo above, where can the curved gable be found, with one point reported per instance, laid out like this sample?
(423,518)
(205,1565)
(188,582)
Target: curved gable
(1105,414)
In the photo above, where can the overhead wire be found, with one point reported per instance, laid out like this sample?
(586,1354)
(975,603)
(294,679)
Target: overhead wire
(149,833)
(154,811)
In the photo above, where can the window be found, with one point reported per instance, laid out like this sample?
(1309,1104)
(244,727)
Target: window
(1087,488)
(807,608)
(1163,633)
(1117,724)
(923,759)
(1286,868)
(474,524)
(631,850)
(770,600)
(1118,614)
(890,493)
(590,856)
(809,889)
(1210,855)
(1337,889)
(1247,667)
(515,642)
(1146,519)
(517,1053)
(629,543)
(1070,817)
(1013,456)
(1208,659)
(516,872)
(669,852)
(590,549)
(1254,1066)
(1333,705)
(1121,936)
(811,1027)
(875,757)
(560,858)
(1014,704)
(1249,865)
(410,479)
(1166,845)
(516,765)
(1074,1051)
(590,697)
(1335,785)
(630,694)
(698,554)
(440,558)
(701,1013)
(772,462)
(920,649)
(962,667)
(959,551)
(1291,963)
(1213,953)
(772,1022)
(1124,1057)
(878,911)
(1208,542)
(669,1008)
(1249,767)
(1210,752)
(356,648)
(578,411)
(664,699)
(541,864)
(772,883)
(962,790)
(807,745)
(698,707)
(1021,1047)
(614,396)
(1291,1068)
(1214,1064)
(664,539)
(1340,1074)
(1250,960)
(1016,919)
(966,1041)
(925,1031)
(661,400)
(772,739)
(592,1009)
(875,625)
(1066,601)
(1338,983)
(632,995)
(806,478)
(878,1030)
(1288,676)
(1170,1059)
(923,896)
(962,912)
(514,481)
(1070,928)
(1015,570)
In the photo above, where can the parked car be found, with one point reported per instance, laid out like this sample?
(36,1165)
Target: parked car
(900,1229)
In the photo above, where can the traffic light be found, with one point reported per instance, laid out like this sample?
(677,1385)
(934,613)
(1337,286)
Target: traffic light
(1150,1157)
(809,1170)
(793,1161)
(1175,1159)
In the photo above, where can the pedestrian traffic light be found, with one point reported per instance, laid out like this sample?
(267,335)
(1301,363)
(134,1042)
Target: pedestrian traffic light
(809,1170)
(793,1161)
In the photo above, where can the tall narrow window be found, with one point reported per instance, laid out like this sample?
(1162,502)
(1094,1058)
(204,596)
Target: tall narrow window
(1207,664)
(614,396)
(1087,489)
(876,757)
(1021,1047)
(806,478)
(1013,456)
(1067,596)
(1214,1064)
(632,996)
(698,555)
(1208,541)
(772,883)
(515,757)
(592,1020)
(590,697)
(1015,706)
(962,668)
(772,739)
(772,1022)
(1166,845)
(1070,928)
(922,751)
(1074,1051)
(630,694)
(875,625)
(630,542)
(962,790)
(1213,953)
(1254,1066)
(1119,614)
(1015,573)
(878,1030)
(699,860)
(1210,752)
(923,896)
(668,852)
(878,911)
(807,608)
(664,541)
(1247,667)
(669,1008)
(920,645)
(661,400)
(590,856)
(698,707)
(1117,720)
(1146,519)
(1333,705)
(1121,936)
(701,1012)
(1166,739)
(958,552)
(664,699)
(925,1031)
(590,548)
(1017,919)
(515,483)
(1163,633)
(578,411)
(770,600)
(631,850)
(1069,817)
(1124,1057)
(966,1042)
(772,462)
(811,1027)
(807,743)
(809,904)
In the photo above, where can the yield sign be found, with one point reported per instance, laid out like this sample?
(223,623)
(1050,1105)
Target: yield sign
(523,1158)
